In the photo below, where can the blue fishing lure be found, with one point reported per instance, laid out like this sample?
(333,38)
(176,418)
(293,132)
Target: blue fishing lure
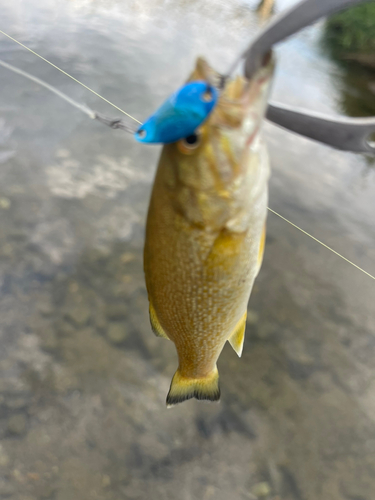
(180,115)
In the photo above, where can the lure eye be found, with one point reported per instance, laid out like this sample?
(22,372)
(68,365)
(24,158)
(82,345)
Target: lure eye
(142,133)
(189,144)
(207,95)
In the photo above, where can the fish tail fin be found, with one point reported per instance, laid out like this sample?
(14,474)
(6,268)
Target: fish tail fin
(184,388)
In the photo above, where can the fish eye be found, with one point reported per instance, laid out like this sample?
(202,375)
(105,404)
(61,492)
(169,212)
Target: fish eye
(188,144)
(142,133)
(192,140)
(207,95)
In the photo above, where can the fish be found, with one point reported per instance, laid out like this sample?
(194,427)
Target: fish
(205,232)
(178,117)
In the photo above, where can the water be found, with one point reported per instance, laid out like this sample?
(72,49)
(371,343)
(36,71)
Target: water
(82,379)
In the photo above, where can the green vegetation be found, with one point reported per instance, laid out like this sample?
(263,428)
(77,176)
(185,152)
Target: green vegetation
(352,31)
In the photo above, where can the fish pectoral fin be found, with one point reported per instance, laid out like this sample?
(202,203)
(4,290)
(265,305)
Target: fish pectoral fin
(184,388)
(238,336)
(155,325)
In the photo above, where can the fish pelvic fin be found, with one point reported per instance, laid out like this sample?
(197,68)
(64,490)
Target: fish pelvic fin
(184,388)
(238,336)
(155,325)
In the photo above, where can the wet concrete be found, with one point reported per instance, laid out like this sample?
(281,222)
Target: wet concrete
(83,380)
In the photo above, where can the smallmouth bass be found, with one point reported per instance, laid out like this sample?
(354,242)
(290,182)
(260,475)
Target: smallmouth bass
(205,232)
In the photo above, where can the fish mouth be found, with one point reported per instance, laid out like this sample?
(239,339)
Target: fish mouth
(222,79)
(243,101)
(252,84)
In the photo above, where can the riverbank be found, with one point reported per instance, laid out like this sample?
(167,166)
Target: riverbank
(350,35)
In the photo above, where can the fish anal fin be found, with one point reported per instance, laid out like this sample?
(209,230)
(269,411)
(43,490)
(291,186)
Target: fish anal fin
(184,388)
(155,325)
(238,336)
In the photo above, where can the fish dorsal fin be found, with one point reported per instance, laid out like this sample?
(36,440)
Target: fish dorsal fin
(155,325)
(237,338)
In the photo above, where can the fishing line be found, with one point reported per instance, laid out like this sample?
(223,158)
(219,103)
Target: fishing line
(70,76)
(114,123)
(119,124)
(81,107)
(323,244)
